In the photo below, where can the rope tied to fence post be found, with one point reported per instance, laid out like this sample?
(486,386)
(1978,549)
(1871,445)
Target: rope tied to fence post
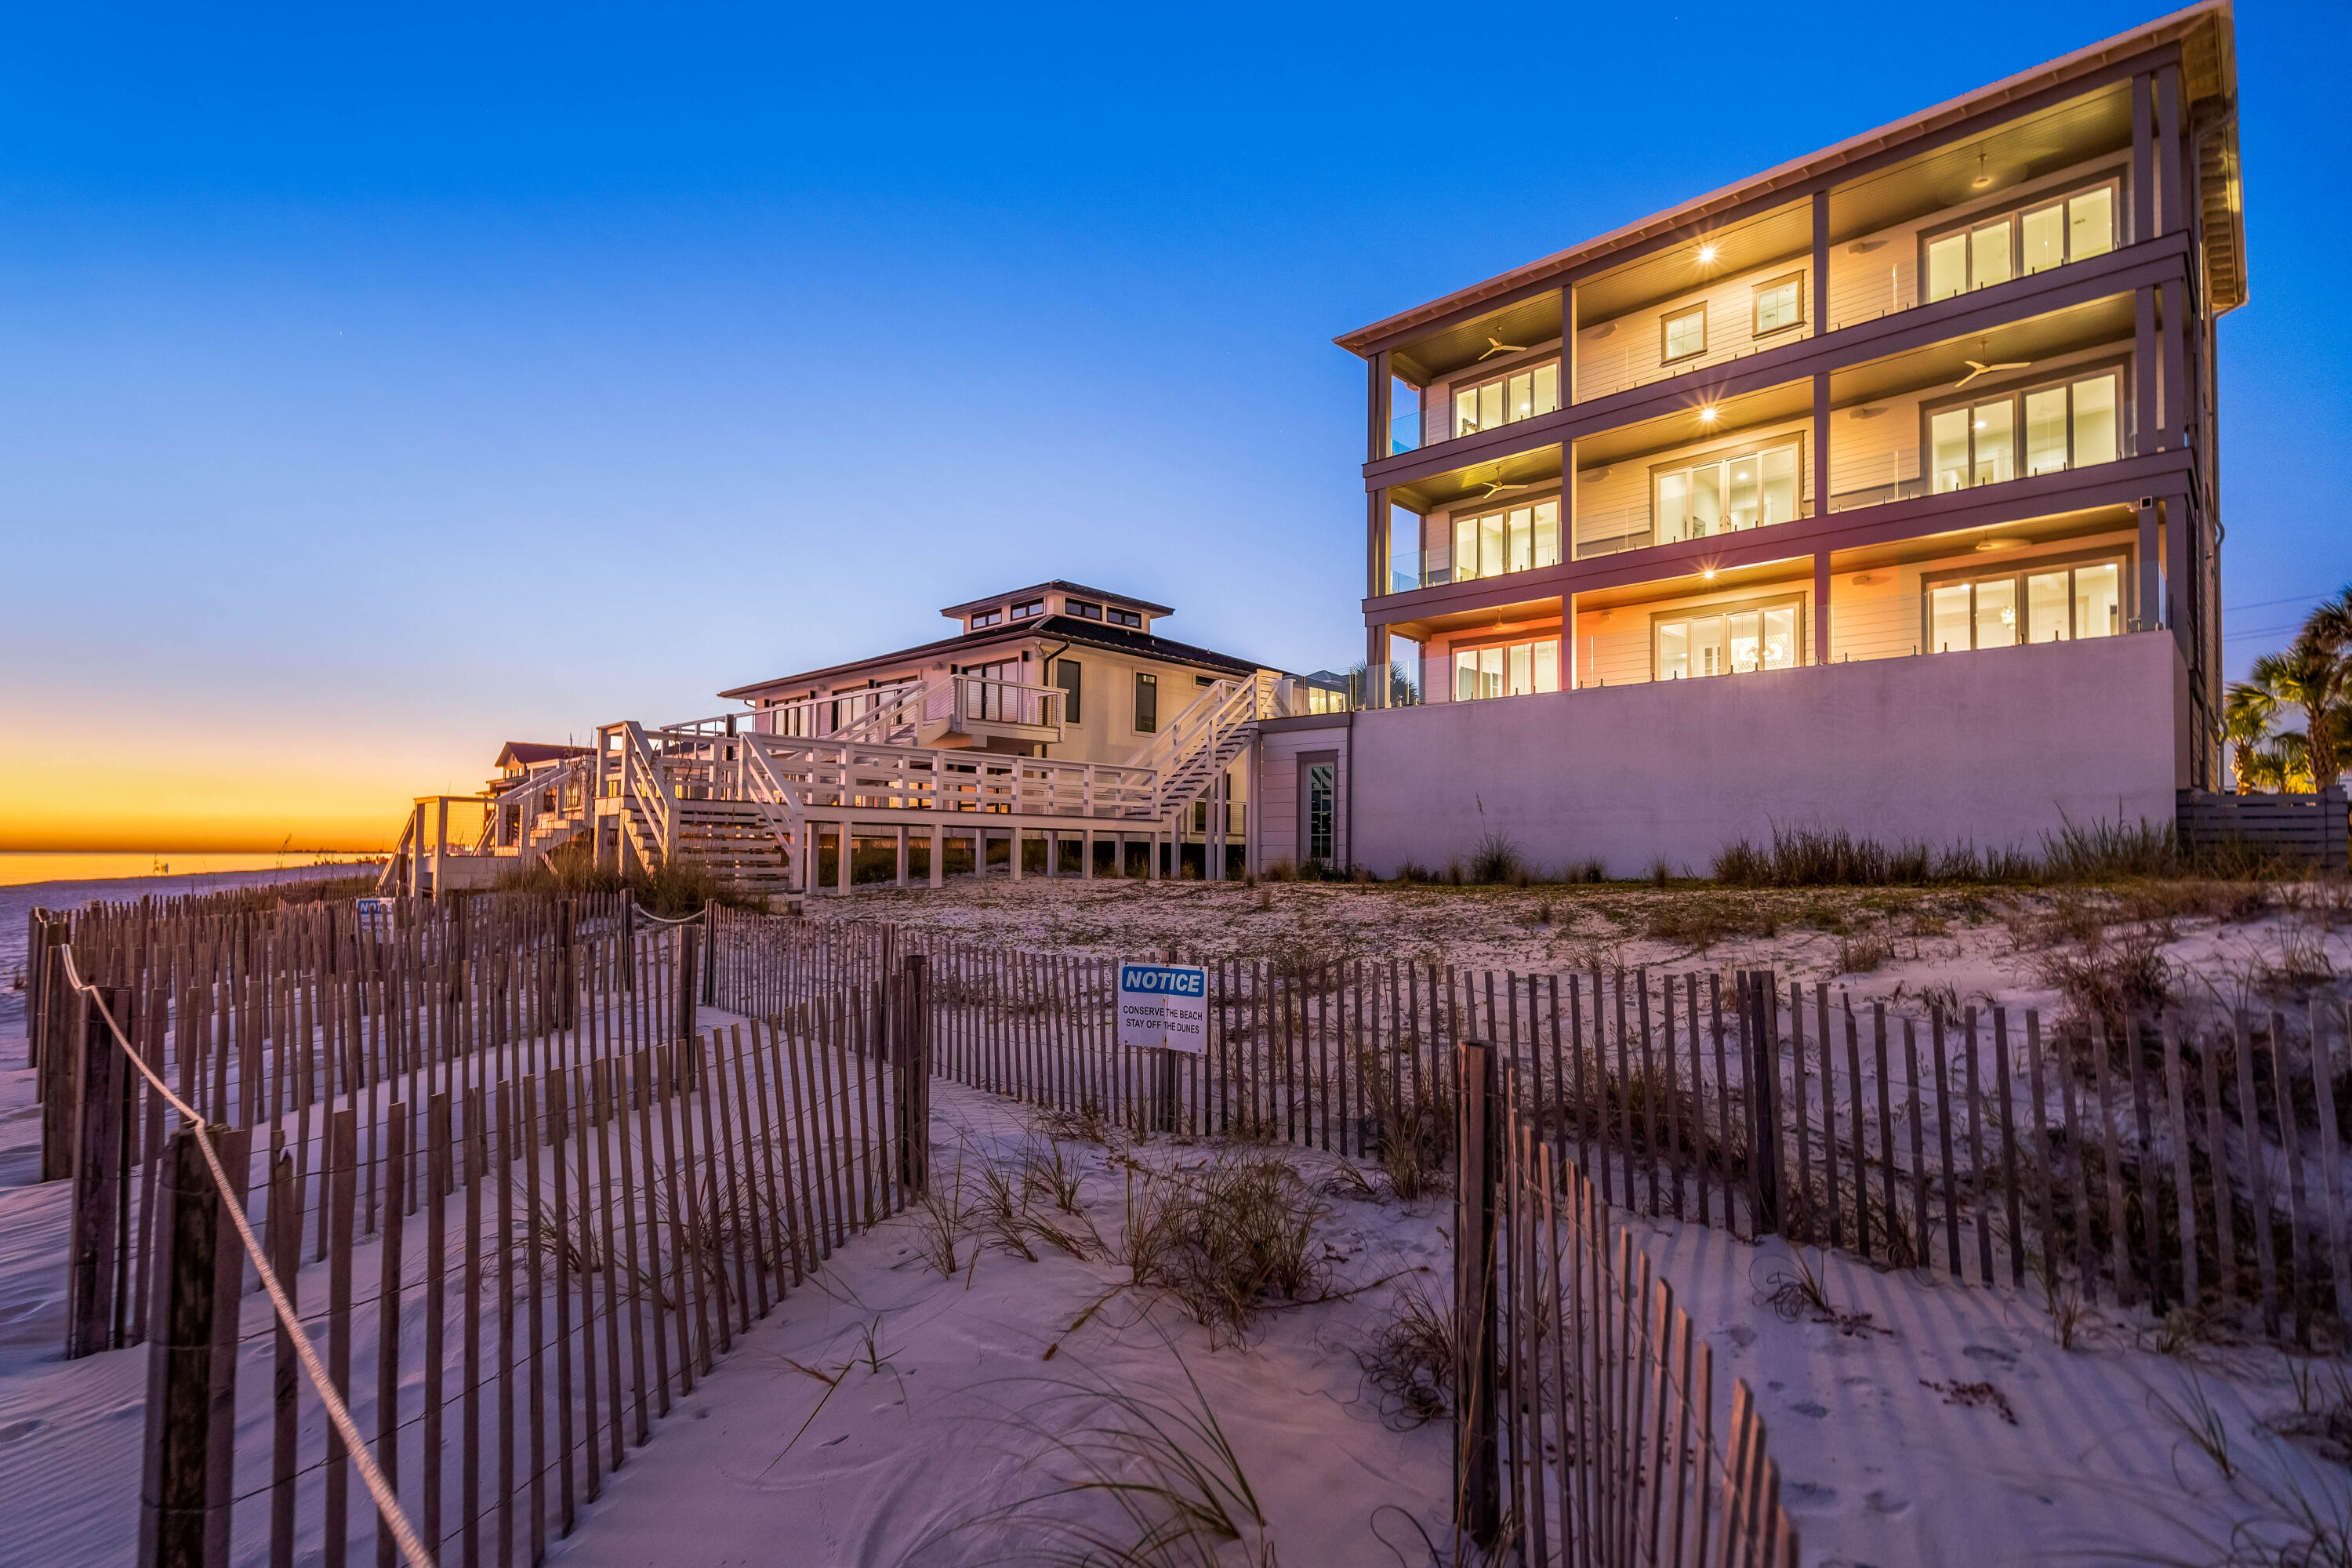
(412,1546)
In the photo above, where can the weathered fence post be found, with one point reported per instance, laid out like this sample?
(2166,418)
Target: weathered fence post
(910,1063)
(567,963)
(53,1083)
(1760,1061)
(709,957)
(1477,1474)
(186,1492)
(99,1157)
(689,992)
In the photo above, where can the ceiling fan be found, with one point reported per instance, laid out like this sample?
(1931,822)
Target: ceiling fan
(1497,487)
(1501,347)
(1978,367)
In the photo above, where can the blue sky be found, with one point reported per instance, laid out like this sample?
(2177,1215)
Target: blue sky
(381,385)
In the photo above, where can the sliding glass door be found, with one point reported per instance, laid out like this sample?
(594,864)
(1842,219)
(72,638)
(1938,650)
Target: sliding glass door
(2035,603)
(1728,639)
(2039,430)
(1753,489)
(1506,669)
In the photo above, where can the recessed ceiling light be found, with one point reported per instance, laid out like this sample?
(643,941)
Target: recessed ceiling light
(1984,176)
(1706,415)
(1707,253)
(1998,543)
(1708,573)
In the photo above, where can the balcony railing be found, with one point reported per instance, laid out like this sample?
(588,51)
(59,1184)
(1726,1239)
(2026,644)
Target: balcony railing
(1601,372)
(1900,473)
(1612,529)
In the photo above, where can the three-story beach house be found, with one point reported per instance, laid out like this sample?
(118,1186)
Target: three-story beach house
(1877,491)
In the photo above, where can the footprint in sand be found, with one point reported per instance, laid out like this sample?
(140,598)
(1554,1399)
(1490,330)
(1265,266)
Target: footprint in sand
(1887,1502)
(1809,1408)
(1805,1494)
(15,1429)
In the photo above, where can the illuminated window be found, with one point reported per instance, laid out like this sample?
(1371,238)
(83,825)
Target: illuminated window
(2031,604)
(1728,639)
(1521,394)
(2060,424)
(1513,539)
(1685,333)
(1723,495)
(1508,669)
(2048,233)
(1779,304)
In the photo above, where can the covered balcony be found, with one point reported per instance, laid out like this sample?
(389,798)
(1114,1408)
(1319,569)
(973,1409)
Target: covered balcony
(1489,519)
(1709,468)
(1477,378)
(2039,396)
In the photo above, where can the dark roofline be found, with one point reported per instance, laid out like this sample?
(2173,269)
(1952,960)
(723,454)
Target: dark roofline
(1059,587)
(1067,629)
(529,751)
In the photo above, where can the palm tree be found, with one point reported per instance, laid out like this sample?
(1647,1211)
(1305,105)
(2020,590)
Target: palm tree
(2306,675)
(2289,756)
(2248,711)
(2330,626)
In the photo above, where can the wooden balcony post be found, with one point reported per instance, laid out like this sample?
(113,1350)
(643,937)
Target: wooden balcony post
(843,838)
(1821,606)
(2142,163)
(939,852)
(902,856)
(1821,323)
(1821,475)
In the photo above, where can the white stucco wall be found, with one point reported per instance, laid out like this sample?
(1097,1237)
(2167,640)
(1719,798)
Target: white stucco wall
(1985,748)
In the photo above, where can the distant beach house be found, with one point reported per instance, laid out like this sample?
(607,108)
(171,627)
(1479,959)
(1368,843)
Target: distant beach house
(1879,490)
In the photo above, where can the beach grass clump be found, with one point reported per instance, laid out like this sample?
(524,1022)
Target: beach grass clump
(1409,1360)
(1497,861)
(1226,1239)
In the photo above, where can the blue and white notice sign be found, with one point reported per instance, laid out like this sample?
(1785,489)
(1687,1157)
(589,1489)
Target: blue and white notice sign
(1163,1006)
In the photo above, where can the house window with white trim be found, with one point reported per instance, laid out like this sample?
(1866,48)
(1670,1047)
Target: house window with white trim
(1728,639)
(1508,538)
(1725,494)
(1505,399)
(1506,669)
(2055,601)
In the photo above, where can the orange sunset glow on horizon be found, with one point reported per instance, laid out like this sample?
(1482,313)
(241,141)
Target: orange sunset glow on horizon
(191,789)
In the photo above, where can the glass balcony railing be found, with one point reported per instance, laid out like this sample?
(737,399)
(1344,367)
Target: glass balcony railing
(1900,473)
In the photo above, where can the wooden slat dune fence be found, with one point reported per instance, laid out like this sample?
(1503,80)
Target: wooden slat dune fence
(2191,1161)
(1587,1432)
(514,1197)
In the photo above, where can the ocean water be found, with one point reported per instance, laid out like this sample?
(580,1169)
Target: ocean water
(18,866)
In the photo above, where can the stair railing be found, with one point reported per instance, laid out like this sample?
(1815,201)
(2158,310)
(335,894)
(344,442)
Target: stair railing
(1184,757)
(645,791)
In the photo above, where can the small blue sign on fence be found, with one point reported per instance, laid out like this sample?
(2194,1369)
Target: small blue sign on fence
(1164,1006)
